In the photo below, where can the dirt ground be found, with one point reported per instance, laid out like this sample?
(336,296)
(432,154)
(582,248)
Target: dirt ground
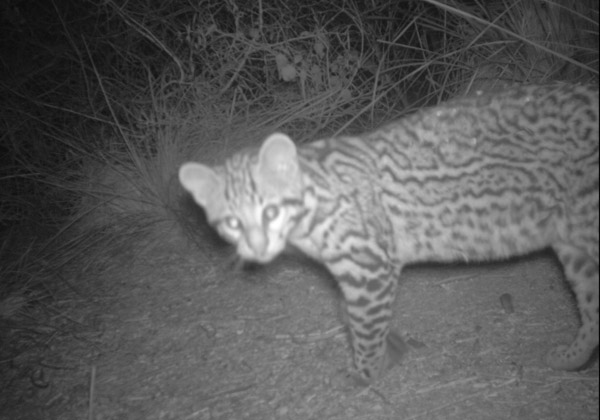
(183,333)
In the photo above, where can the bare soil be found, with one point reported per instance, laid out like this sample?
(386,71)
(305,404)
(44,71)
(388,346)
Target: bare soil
(182,333)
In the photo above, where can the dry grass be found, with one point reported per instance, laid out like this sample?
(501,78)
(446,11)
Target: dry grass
(102,101)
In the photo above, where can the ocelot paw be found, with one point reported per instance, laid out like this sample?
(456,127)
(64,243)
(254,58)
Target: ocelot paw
(396,349)
(567,357)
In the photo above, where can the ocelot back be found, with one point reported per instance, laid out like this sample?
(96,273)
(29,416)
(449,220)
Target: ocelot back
(479,178)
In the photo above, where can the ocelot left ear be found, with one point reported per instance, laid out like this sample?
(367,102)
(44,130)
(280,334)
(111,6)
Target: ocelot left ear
(278,167)
(205,185)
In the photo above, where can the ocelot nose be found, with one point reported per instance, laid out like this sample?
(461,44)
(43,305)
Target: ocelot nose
(257,241)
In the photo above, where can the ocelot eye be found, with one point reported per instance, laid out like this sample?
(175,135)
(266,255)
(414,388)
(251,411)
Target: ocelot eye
(232,223)
(270,212)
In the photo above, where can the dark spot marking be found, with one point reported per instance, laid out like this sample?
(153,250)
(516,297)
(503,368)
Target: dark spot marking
(366,337)
(578,264)
(376,321)
(373,285)
(457,236)
(356,318)
(361,301)
(386,293)
(591,271)
(376,309)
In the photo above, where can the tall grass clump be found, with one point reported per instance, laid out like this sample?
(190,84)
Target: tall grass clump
(101,101)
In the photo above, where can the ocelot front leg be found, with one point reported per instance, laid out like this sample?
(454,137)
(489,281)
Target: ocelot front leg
(369,294)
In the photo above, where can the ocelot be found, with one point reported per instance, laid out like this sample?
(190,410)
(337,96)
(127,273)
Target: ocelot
(485,177)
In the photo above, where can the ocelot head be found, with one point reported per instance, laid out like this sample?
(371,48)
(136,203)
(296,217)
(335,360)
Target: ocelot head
(253,198)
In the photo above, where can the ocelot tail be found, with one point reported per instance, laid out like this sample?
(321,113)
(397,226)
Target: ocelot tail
(486,177)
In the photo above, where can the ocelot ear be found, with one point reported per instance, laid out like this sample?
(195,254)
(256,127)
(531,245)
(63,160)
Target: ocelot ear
(278,166)
(203,183)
